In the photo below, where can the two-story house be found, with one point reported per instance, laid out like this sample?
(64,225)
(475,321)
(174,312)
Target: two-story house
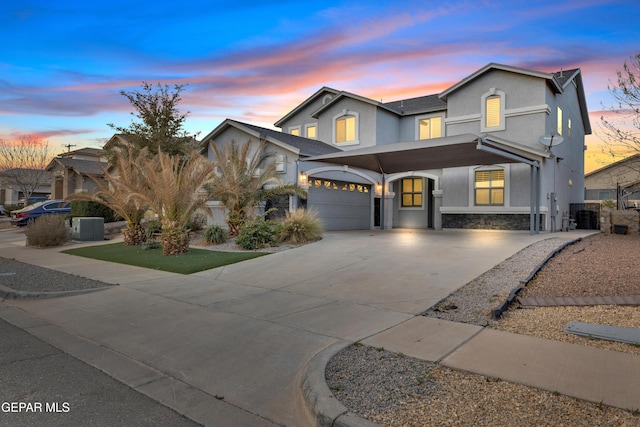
(503,148)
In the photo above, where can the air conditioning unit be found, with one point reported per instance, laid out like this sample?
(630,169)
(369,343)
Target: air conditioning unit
(87,228)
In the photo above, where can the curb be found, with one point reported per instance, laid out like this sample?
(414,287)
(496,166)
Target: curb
(320,402)
(498,312)
(8,293)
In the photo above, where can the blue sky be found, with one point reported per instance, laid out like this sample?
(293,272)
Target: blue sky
(63,63)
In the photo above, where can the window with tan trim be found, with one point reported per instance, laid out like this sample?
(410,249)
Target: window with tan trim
(493,111)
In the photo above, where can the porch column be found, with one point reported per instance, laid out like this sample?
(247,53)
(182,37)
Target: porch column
(437,204)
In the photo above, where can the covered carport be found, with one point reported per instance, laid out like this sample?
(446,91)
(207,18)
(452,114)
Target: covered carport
(447,152)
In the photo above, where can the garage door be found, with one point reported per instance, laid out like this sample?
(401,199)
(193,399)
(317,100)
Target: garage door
(341,205)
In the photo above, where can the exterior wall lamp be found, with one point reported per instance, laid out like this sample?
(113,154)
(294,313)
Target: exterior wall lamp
(303,180)
(378,189)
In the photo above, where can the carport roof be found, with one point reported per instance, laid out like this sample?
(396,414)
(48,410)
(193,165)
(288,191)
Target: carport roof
(452,151)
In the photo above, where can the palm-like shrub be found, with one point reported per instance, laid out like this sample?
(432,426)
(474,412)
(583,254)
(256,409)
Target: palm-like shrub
(246,175)
(175,184)
(215,235)
(120,189)
(301,226)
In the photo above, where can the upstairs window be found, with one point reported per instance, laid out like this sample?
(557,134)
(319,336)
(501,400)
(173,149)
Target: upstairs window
(492,116)
(489,187)
(411,193)
(312,131)
(492,111)
(430,128)
(559,121)
(295,131)
(346,129)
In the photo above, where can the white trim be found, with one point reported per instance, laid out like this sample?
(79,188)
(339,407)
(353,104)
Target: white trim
(345,168)
(488,209)
(400,175)
(514,112)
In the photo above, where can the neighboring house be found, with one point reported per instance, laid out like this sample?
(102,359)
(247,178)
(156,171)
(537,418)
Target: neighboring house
(468,157)
(619,181)
(11,192)
(70,171)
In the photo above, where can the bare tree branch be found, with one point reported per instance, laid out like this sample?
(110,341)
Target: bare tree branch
(23,164)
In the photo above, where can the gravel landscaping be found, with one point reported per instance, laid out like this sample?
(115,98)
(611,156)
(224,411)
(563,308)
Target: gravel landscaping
(396,390)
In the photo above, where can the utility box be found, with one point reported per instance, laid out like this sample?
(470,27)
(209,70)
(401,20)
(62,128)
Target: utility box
(87,228)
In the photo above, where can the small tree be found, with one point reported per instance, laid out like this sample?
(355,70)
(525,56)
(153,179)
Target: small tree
(245,177)
(175,194)
(121,189)
(160,125)
(23,164)
(623,136)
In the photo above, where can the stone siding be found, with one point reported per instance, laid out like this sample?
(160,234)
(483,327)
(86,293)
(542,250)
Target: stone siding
(489,221)
(609,218)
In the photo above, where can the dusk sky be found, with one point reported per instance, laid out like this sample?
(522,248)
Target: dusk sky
(63,63)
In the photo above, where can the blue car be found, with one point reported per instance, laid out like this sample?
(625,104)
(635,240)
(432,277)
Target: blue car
(29,213)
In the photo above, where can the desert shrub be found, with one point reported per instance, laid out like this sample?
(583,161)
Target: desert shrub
(197,222)
(47,231)
(215,235)
(153,227)
(87,208)
(150,244)
(608,203)
(300,226)
(258,233)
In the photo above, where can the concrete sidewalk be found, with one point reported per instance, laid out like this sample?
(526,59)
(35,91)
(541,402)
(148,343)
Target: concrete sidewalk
(235,345)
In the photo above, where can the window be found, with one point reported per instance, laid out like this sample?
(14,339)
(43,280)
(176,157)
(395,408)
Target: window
(492,116)
(281,163)
(559,121)
(430,128)
(346,129)
(312,131)
(295,131)
(569,128)
(411,193)
(492,111)
(489,187)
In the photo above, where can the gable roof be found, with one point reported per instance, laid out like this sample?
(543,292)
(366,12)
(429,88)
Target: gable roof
(343,94)
(322,91)
(297,144)
(94,152)
(421,104)
(493,66)
(84,167)
(620,163)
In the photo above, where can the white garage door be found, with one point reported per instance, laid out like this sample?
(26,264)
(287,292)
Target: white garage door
(341,205)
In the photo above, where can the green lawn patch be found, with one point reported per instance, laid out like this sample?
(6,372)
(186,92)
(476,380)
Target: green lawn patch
(193,261)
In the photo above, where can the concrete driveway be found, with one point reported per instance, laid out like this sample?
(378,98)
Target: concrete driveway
(227,346)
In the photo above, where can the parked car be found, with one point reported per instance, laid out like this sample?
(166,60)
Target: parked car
(23,216)
(31,200)
(2,211)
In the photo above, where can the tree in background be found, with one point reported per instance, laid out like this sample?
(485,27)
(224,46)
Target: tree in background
(245,177)
(160,124)
(623,136)
(23,164)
